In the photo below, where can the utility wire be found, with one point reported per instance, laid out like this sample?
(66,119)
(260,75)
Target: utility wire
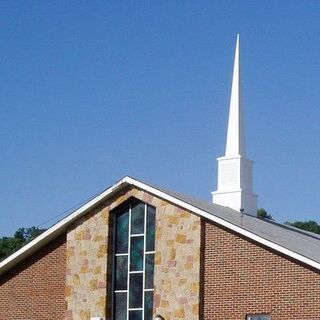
(69,210)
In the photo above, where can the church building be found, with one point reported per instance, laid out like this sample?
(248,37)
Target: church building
(140,252)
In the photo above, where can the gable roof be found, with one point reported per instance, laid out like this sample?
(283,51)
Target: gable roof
(297,244)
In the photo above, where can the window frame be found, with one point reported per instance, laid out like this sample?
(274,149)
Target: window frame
(122,208)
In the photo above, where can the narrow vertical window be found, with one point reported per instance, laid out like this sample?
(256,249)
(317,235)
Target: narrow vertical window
(134,262)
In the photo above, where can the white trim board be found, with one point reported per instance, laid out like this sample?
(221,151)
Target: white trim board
(62,225)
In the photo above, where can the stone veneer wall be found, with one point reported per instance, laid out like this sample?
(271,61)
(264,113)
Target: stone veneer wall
(177,261)
(177,264)
(86,279)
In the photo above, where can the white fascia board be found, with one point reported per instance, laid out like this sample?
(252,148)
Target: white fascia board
(56,229)
(226,224)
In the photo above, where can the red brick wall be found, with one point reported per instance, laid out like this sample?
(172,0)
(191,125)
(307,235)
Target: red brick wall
(241,277)
(35,289)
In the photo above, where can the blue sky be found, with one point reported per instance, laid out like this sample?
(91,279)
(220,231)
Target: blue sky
(91,91)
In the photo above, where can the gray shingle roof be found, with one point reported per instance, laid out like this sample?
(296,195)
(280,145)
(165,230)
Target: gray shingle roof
(302,242)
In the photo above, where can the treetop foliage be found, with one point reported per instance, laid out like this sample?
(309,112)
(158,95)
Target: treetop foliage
(263,214)
(310,226)
(9,245)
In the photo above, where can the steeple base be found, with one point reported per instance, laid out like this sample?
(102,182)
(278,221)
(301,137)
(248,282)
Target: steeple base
(237,200)
(235,184)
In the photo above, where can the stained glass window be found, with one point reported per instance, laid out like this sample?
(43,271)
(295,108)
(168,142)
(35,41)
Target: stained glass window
(136,253)
(134,262)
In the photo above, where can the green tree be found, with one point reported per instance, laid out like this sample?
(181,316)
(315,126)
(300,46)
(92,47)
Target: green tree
(9,245)
(27,234)
(311,226)
(263,214)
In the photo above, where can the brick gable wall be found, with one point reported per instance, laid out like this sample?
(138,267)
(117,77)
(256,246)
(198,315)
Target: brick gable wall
(35,289)
(240,277)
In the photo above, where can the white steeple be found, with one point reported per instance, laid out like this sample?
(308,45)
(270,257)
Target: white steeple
(234,170)
(235,137)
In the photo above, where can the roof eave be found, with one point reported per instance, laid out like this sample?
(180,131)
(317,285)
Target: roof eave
(62,225)
(58,228)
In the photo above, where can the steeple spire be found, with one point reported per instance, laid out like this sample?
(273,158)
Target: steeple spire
(234,170)
(235,138)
